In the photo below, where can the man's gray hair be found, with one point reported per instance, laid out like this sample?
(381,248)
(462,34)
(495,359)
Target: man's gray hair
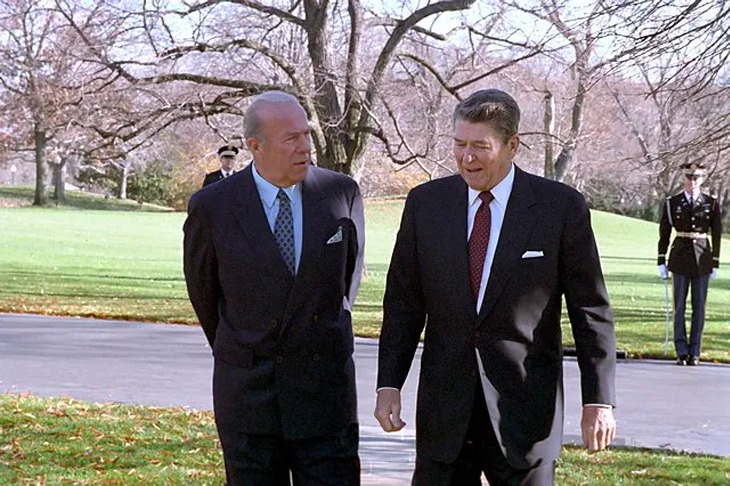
(252,118)
(493,107)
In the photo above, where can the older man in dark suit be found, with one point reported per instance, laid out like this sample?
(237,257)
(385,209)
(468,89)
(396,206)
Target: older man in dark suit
(273,257)
(484,258)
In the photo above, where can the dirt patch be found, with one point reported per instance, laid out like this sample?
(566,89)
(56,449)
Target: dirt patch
(7,202)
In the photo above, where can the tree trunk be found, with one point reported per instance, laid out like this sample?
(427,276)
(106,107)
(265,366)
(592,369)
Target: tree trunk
(333,155)
(123,182)
(567,154)
(59,181)
(549,129)
(41,197)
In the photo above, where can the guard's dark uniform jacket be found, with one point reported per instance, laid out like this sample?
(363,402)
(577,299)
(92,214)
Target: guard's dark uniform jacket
(212,177)
(695,224)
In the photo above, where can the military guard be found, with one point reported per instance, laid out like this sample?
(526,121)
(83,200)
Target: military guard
(694,257)
(227,157)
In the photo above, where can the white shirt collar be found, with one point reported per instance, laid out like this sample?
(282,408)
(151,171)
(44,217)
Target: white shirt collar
(269,191)
(501,191)
(690,197)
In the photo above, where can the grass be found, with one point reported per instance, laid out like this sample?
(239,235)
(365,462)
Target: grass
(65,441)
(128,265)
(23,196)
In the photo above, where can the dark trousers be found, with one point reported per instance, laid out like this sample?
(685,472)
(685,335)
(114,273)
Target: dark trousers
(270,460)
(682,284)
(479,454)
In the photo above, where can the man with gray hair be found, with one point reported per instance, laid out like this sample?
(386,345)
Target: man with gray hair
(273,256)
(482,262)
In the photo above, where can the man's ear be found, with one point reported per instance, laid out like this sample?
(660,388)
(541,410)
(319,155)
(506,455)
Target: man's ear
(514,144)
(253,144)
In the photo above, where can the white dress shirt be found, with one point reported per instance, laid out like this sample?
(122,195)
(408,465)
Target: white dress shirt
(498,205)
(691,198)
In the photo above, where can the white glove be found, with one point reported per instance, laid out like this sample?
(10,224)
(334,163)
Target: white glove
(713,275)
(663,272)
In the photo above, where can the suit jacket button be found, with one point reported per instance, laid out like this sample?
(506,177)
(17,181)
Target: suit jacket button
(315,358)
(279,359)
(273,322)
(315,318)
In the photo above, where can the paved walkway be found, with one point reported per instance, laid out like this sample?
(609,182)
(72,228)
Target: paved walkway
(660,405)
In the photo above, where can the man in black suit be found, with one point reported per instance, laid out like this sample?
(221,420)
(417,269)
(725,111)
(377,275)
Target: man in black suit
(484,258)
(272,258)
(693,261)
(227,157)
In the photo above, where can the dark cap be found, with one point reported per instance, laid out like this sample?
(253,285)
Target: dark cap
(228,151)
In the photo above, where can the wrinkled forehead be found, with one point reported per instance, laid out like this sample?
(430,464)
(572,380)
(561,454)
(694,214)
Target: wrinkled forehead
(466,131)
(284,117)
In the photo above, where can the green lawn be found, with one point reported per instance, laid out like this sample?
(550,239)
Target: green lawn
(65,441)
(23,196)
(128,265)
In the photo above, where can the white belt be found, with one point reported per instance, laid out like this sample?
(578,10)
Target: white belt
(693,235)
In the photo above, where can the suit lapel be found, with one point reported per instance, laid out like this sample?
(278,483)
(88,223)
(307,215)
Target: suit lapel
(249,213)
(312,226)
(313,216)
(519,220)
(453,229)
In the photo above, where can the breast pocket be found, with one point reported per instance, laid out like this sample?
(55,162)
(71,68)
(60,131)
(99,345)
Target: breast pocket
(337,243)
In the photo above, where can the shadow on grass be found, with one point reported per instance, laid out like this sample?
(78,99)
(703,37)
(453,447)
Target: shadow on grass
(633,279)
(20,273)
(82,200)
(99,295)
(625,258)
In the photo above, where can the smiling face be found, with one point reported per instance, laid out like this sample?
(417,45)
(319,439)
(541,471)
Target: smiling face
(482,156)
(283,151)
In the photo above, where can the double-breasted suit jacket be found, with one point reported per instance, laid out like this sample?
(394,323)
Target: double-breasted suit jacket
(517,331)
(282,344)
(696,225)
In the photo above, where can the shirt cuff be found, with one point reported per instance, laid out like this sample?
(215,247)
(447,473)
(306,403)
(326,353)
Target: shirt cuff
(387,388)
(598,405)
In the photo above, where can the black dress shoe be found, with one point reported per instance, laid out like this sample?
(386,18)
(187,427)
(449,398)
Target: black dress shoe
(682,360)
(693,361)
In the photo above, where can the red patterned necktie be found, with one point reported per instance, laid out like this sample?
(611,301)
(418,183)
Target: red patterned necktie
(478,242)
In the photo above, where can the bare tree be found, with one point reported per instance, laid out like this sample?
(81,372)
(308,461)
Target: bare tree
(312,49)
(44,85)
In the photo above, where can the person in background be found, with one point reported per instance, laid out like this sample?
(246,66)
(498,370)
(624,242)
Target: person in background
(694,257)
(227,158)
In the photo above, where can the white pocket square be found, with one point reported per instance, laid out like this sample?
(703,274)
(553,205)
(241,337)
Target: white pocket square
(337,237)
(533,254)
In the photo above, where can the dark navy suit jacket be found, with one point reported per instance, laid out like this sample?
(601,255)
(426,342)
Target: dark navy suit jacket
(284,344)
(517,331)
